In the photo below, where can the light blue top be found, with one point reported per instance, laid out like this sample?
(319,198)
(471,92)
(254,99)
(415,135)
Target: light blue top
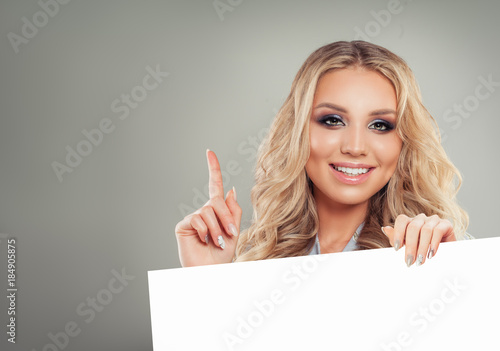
(352,244)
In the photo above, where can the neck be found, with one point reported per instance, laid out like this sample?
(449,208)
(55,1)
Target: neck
(337,222)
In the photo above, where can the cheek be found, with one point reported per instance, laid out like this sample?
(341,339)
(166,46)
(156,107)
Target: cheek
(388,152)
(322,143)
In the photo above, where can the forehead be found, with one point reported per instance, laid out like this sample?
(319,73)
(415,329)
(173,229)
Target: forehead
(356,88)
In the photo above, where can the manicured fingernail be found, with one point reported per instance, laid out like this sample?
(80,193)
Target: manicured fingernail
(221,242)
(430,254)
(234,193)
(397,245)
(233,230)
(206,238)
(409,260)
(420,258)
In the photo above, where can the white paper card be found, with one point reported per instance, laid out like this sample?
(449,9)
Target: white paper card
(365,300)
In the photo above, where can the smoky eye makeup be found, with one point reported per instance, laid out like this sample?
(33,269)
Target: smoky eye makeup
(335,120)
(381,125)
(331,120)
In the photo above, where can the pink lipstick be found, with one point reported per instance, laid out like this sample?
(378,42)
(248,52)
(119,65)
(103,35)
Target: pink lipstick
(351,173)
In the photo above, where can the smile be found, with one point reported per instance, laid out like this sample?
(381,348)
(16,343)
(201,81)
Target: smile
(351,172)
(352,175)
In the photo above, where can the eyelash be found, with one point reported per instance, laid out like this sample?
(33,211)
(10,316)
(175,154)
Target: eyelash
(384,126)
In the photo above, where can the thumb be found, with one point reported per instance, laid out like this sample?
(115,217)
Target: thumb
(234,208)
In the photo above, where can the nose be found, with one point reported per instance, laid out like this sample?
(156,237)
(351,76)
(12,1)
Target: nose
(354,141)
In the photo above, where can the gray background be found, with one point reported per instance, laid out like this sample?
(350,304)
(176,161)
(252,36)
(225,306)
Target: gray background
(228,77)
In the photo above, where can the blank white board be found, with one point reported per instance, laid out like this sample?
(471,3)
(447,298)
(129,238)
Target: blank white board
(364,300)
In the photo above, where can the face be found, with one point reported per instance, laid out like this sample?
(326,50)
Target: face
(354,147)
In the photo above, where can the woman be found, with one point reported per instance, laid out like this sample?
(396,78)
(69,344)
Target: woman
(353,161)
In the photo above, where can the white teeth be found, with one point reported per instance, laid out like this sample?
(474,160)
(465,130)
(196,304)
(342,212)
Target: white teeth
(352,171)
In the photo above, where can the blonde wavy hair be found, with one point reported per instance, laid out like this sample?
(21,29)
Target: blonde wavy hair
(285,220)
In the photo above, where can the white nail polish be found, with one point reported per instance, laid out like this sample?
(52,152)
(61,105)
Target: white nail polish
(397,245)
(206,239)
(221,242)
(233,230)
(420,258)
(431,253)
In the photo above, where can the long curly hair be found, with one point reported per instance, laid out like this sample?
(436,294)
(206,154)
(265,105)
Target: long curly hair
(285,219)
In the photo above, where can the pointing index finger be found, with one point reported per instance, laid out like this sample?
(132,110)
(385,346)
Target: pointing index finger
(215,186)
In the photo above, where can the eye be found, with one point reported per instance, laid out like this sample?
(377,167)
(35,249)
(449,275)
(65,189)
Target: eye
(381,126)
(332,120)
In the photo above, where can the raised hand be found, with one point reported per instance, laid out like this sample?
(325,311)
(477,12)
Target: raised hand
(420,235)
(209,235)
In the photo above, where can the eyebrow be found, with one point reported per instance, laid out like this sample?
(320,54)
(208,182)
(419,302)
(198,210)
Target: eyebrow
(343,110)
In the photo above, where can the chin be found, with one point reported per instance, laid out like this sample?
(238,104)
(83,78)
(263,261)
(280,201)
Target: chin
(349,200)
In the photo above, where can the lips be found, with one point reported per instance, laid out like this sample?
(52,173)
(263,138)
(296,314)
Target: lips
(351,173)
